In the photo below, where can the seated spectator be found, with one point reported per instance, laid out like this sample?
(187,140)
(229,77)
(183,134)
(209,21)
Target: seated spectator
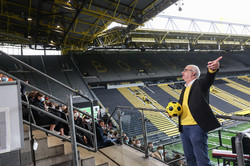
(102,140)
(23,88)
(159,153)
(24,97)
(150,147)
(132,143)
(65,109)
(82,137)
(126,140)
(31,96)
(179,162)
(88,122)
(42,119)
(65,117)
(134,138)
(124,135)
(54,107)
(4,78)
(137,144)
(110,134)
(115,137)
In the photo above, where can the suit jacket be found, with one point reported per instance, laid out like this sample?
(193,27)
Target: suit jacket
(198,102)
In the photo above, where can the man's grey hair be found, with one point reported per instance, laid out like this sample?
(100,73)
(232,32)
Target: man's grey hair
(196,70)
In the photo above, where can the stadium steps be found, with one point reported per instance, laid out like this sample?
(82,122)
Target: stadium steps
(125,155)
(243,112)
(52,151)
(232,99)
(170,91)
(156,118)
(60,153)
(245,78)
(217,111)
(237,86)
(157,105)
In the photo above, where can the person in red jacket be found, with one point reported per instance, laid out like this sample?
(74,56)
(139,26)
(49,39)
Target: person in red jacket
(197,117)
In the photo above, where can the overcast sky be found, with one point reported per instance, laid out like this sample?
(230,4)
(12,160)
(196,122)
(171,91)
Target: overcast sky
(236,11)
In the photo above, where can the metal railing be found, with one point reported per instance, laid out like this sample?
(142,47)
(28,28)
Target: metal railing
(239,146)
(118,109)
(143,121)
(70,106)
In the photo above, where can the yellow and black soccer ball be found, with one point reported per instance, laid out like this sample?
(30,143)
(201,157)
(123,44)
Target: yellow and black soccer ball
(174,108)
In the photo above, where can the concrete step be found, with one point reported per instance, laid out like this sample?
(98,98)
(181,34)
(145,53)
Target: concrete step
(51,151)
(43,151)
(67,163)
(26,158)
(55,160)
(88,161)
(127,156)
(103,164)
(84,153)
(26,147)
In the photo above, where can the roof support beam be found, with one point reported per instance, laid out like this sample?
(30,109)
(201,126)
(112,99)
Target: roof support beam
(164,37)
(107,17)
(132,10)
(29,18)
(80,41)
(116,8)
(225,39)
(38,12)
(78,12)
(2,6)
(197,38)
(127,7)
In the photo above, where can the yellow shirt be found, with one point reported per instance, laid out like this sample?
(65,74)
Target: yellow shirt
(186,116)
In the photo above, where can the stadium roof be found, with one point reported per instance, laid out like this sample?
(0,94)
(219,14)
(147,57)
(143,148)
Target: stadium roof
(141,39)
(70,24)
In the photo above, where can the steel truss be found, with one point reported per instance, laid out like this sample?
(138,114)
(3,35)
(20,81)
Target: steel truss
(186,35)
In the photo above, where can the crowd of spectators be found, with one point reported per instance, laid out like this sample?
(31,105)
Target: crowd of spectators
(40,101)
(106,134)
(4,78)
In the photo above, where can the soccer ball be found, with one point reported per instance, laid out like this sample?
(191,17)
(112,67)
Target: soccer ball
(174,108)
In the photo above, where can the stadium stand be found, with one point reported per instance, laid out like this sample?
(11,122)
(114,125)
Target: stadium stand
(245,79)
(55,67)
(160,129)
(110,67)
(100,68)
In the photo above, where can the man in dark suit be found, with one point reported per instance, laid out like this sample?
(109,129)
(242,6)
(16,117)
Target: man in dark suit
(197,117)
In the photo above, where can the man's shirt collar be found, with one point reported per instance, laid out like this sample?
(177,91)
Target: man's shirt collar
(190,83)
